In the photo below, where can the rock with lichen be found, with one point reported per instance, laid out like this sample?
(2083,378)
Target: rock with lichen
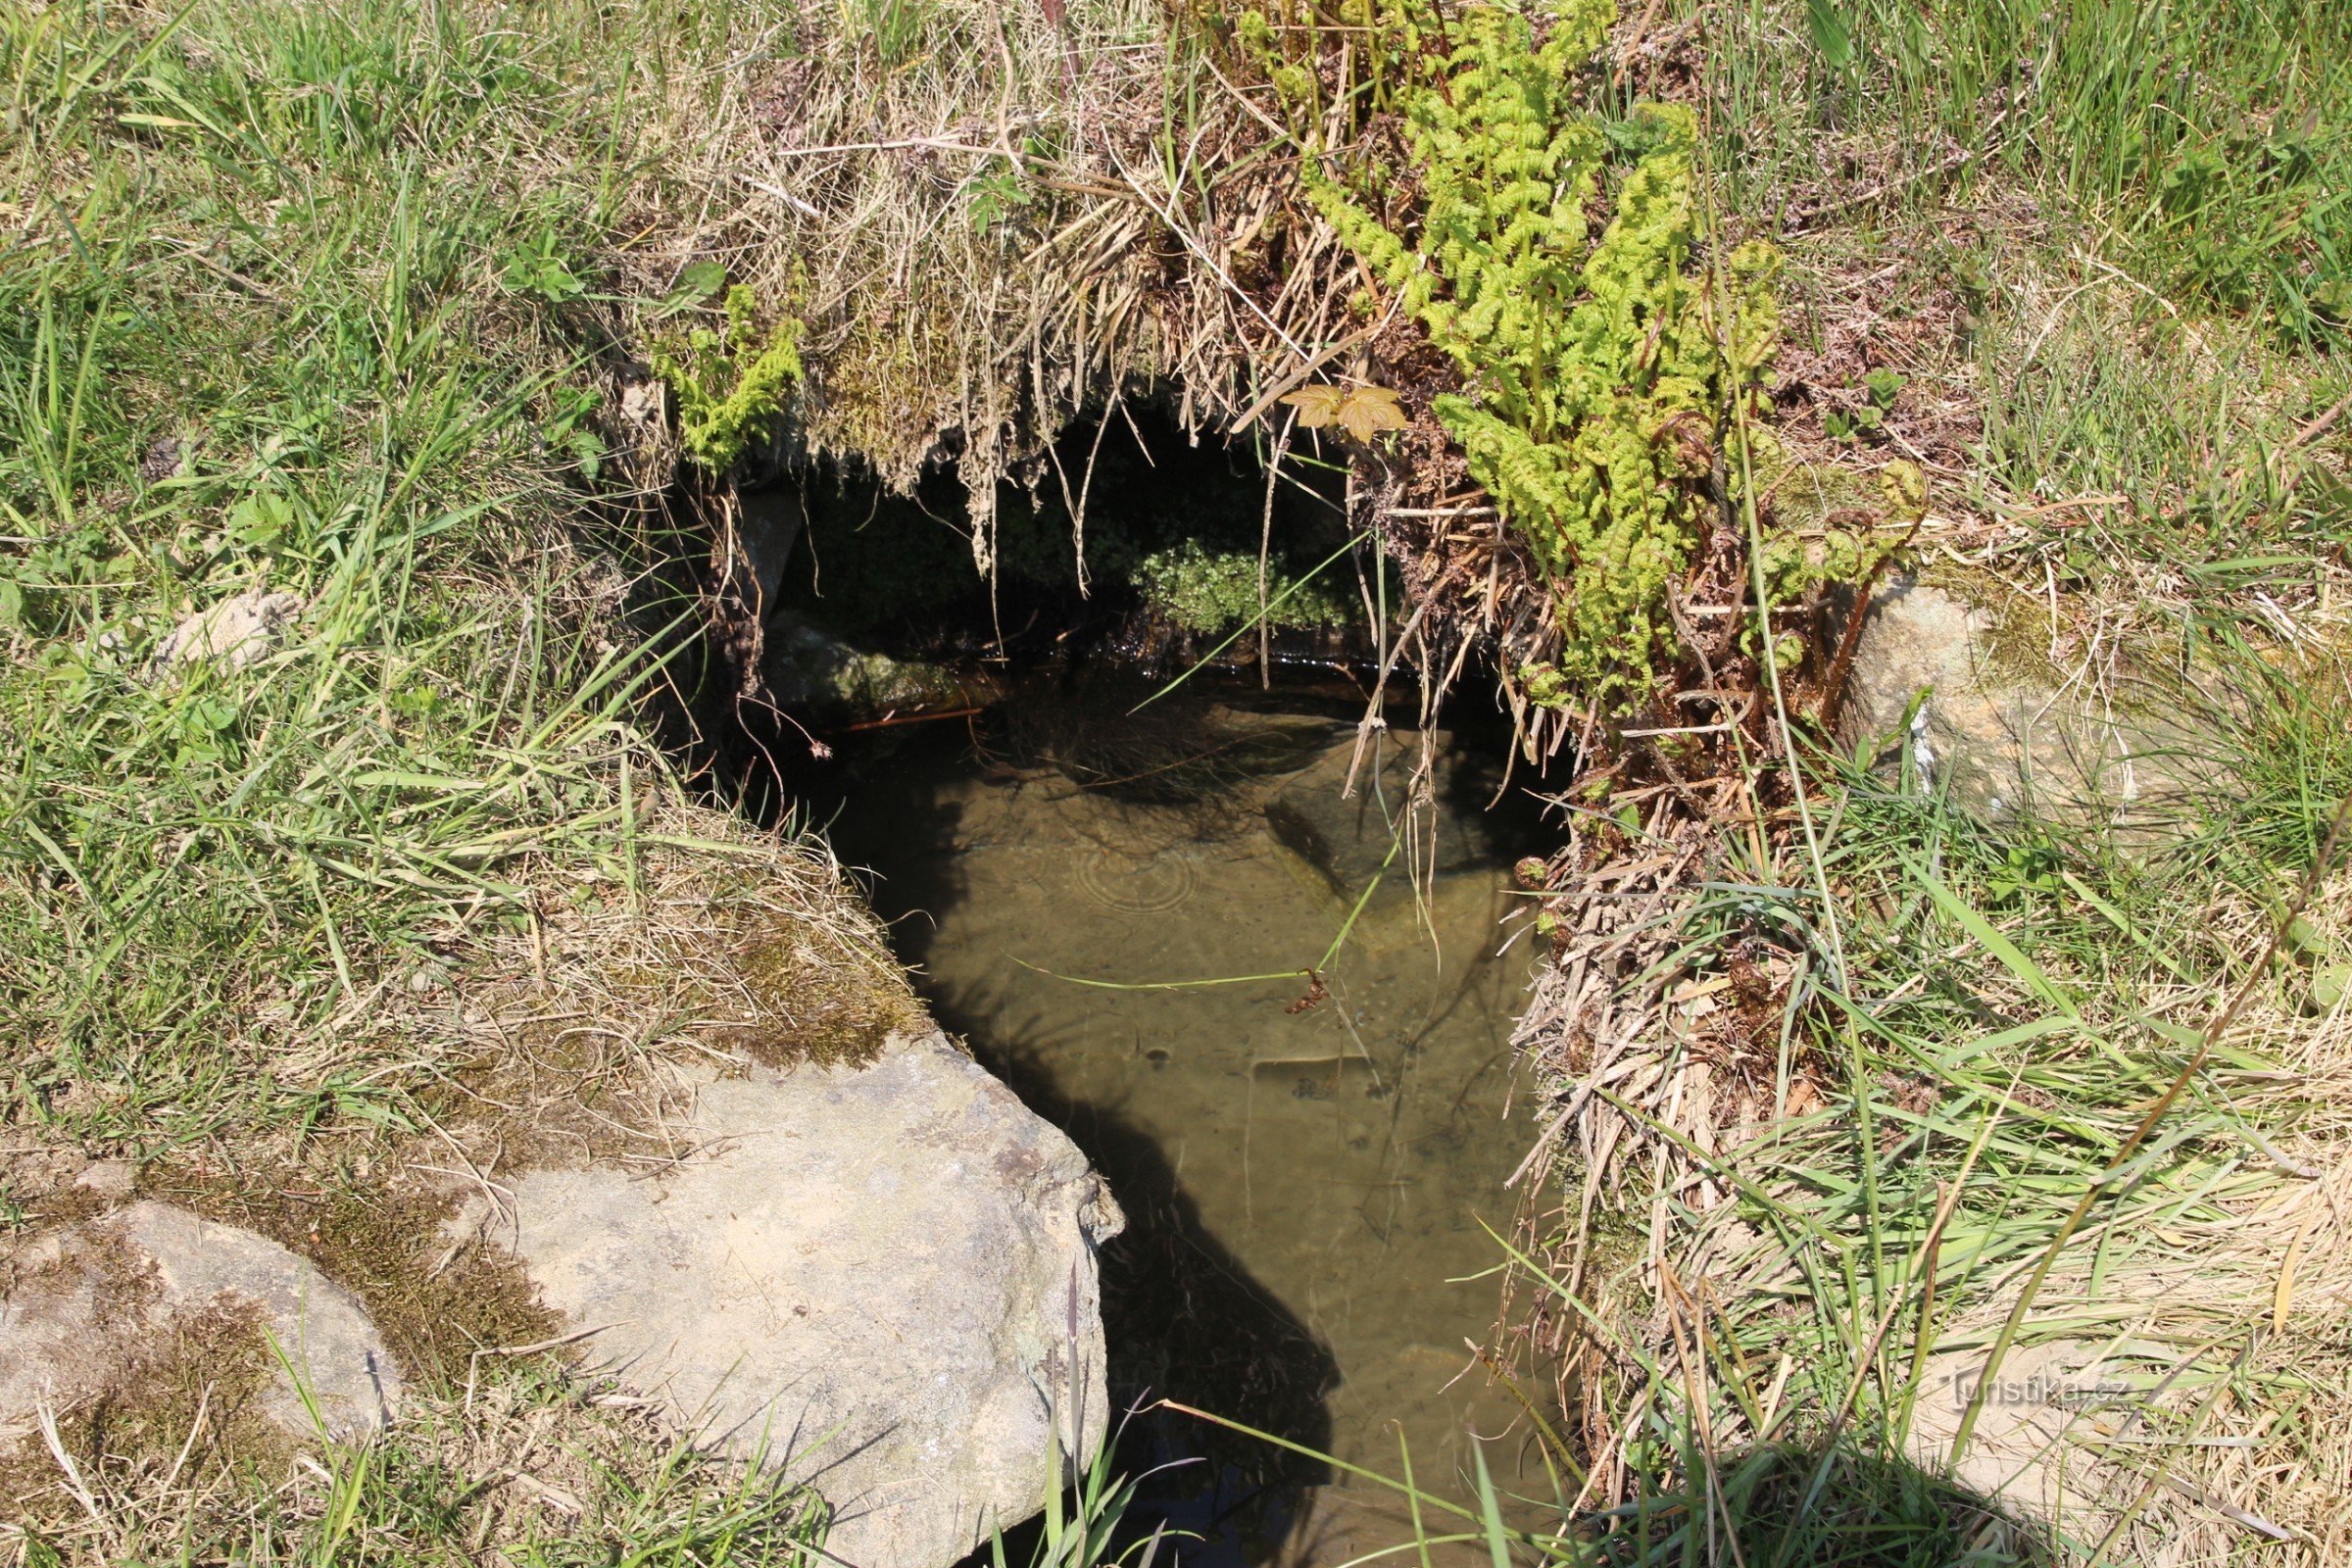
(1996,723)
(815,673)
(237,632)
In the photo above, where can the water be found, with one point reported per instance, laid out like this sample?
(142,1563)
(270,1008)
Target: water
(1305,1170)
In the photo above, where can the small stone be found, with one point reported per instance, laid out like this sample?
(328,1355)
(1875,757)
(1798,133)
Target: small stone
(111,1179)
(239,631)
(641,403)
(164,459)
(813,671)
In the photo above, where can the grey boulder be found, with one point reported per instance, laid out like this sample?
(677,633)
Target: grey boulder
(2005,733)
(881,1278)
(89,1308)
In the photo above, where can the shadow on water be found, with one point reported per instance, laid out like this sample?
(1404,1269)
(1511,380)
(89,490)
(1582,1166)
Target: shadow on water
(1185,1320)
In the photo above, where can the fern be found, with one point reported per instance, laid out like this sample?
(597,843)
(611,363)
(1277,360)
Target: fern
(730,382)
(1582,362)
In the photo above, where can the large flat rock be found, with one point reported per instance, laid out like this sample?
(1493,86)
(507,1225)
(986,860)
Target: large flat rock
(882,1278)
(93,1310)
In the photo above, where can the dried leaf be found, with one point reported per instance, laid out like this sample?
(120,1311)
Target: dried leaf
(1318,405)
(1369,410)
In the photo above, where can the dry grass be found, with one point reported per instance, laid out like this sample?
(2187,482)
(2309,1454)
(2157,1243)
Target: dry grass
(993,223)
(517,1461)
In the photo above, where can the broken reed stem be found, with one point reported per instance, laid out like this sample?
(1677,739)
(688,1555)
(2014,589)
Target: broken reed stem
(1265,546)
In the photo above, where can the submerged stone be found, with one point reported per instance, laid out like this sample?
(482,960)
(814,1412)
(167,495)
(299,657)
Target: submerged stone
(882,1278)
(811,671)
(1349,839)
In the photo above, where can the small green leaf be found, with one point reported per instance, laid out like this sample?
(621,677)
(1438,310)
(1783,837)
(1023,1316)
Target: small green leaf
(260,521)
(2300,934)
(1833,39)
(698,281)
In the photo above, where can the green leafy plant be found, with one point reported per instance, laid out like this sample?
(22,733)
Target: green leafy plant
(996,196)
(1212,591)
(537,268)
(1595,374)
(51,569)
(1880,389)
(730,380)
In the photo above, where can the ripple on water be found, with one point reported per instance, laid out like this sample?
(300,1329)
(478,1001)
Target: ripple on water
(1165,880)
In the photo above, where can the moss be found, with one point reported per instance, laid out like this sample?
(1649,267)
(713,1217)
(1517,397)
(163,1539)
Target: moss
(730,380)
(812,1002)
(1209,592)
(434,1305)
(2013,647)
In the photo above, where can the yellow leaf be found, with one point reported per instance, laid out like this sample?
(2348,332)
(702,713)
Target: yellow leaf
(1316,404)
(1369,410)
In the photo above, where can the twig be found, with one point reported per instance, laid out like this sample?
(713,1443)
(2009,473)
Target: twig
(2318,426)
(1833,687)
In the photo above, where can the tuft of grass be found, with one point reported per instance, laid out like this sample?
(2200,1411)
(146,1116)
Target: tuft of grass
(1943,1143)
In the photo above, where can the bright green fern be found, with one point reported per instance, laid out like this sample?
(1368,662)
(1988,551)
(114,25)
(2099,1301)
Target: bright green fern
(1595,374)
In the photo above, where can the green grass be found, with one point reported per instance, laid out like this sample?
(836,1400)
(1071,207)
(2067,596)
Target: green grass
(310,299)
(283,243)
(2154,283)
(449,1484)
(2207,149)
(2146,314)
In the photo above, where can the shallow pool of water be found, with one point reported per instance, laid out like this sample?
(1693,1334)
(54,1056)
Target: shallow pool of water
(1307,1165)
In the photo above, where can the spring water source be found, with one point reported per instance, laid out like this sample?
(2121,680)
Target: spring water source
(1306,1168)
